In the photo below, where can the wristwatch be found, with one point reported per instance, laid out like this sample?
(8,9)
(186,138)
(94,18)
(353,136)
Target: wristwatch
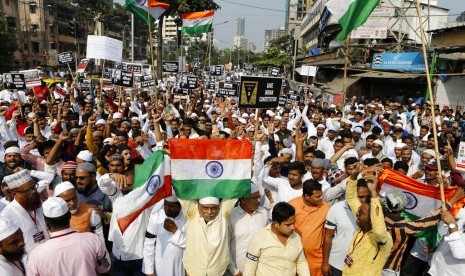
(452,226)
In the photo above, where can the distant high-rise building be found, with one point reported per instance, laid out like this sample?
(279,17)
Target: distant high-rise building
(240,29)
(241,42)
(273,34)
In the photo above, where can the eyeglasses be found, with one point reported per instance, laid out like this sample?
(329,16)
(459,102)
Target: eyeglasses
(82,177)
(30,190)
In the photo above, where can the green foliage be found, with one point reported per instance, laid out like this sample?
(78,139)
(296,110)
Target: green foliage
(8,44)
(461,17)
(177,7)
(273,57)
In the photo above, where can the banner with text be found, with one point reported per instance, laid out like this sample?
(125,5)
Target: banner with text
(102,47)
(259,92)
(13,81)
(227,89)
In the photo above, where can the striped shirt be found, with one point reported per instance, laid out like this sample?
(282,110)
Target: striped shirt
(400,231)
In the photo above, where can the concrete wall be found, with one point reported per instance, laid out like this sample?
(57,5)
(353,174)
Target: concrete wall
(452,92)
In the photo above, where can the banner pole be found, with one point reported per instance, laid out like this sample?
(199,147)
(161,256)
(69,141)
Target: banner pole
(428,80)
(257,122)
(151,56)
(346,61)
(101,82)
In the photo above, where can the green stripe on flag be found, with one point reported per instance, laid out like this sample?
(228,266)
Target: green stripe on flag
(429,235)
(143,172)
(197,29)
(198,188)
(355,16)
(138,12)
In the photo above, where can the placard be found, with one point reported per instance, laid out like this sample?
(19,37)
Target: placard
(82,65)
(13,81)
(216,70)
(102,47)
(107,73)
(170,66)
(259,92)
(248,66)
(192,82)
(228,89)
(65,58)
(122,78)
(146,81)
(461,157)
(282,100)
(31,77)
(132,67)
(275,71)
(211,85)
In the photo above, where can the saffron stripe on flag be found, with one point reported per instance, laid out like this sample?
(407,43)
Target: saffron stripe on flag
(209,149)
(195,15)
(198,188)
(185,169)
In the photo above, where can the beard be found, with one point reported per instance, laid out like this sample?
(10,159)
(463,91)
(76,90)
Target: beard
(13,256)
(31,204)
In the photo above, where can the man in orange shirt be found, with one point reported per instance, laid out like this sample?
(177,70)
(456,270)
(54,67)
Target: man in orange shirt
(310,215)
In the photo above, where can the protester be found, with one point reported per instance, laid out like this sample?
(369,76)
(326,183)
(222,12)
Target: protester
(11,248)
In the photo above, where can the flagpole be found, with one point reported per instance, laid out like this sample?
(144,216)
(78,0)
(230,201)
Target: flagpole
(428,80)
(101,82)
(151,56)
(132,37)
(257,122)
(346,61)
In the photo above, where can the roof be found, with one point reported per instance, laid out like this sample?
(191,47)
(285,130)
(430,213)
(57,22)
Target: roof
(451,27)
(336,86)
(386,75)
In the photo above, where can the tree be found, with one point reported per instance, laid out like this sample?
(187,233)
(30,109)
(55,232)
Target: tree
(8,45)
(461,17)
(178,7)
(273,57)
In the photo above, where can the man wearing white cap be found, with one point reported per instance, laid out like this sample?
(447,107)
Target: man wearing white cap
(396,153)
(207,235)
(13,161)
(11,248)
(165,240)
(26,208)
(245,220)
(376,151)
(83,217)
(67,252)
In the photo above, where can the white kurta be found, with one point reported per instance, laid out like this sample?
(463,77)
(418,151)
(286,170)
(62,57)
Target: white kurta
(163,254)
(10,269)
(242,227)
(23,219)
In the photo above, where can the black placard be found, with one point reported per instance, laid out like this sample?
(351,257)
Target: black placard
(259,92)
(146,81)
(228,89)
(275,71)
(216,70)
(192,82)
(282,100)
(211,85)
(170,66)
(122,78)
(65,58)
(248,66)
(14,81)
(132,67)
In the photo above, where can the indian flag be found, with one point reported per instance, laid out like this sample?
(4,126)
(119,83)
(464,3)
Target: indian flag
(140,9)
(152,182)
(197,22)
(351,14)
(422,199)
(219,168)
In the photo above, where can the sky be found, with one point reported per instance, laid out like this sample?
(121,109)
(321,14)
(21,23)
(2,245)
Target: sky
(261,15)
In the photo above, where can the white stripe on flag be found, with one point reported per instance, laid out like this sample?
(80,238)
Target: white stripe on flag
(338,7)
(185,169)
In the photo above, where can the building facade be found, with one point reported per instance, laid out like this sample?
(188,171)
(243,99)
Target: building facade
(273,34)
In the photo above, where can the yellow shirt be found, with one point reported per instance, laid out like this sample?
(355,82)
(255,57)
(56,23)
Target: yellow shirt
(207,244)
(267,256)
(368,251)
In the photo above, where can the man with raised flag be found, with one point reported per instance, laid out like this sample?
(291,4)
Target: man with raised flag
(131,209)
(206,170)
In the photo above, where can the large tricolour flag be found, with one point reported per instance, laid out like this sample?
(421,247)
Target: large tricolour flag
(197,22)
(152,182)
(422,199)
(140,7)
(219,168)
(351,14)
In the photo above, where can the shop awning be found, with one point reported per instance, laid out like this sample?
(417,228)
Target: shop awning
(336,86)
(386,75)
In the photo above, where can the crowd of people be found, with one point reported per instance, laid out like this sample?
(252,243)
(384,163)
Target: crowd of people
(315,206)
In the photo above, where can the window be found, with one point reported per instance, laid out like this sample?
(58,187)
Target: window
(26,47)
(50,12)
(34,29)
(11,22)
(7,2)
(52,29)
(35,47)
(53,45)
(32,8)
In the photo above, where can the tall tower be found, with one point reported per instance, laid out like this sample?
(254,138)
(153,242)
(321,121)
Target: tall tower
(240,29)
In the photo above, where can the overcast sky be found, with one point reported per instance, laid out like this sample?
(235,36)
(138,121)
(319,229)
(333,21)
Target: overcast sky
(268,14)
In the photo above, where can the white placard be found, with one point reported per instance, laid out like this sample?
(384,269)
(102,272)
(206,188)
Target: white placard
(308,70)
(461,157)
(102,47)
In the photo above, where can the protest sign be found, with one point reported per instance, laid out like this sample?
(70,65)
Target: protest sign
(192,82)
(275,71)
(146,81)
(65,58)
(122,78)
(211,85)
(216,70)
(82,65)
(259,92)
(228,89)
(461,157)
(170,66)
(132,67)
(282,100)
(13,81)
(248,66)
(102,47)
(31,77)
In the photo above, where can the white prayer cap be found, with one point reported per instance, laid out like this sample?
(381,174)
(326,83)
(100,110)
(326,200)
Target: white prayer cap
(172,198)
(7,228)
(378,142)
(135,118)
(320,126)
(252,115)
(31,115)
(430,152)
(398,125)
(332,106)
(242,121)
(12,150)
(332,128)
(399,145)
(425,138)
(380,106)
(54,207)
(85,155)
(234,115)
(62,187)
(285,150)
(209,200)
(245,115)
(253,188)
(100,122)
(118,115)
(414,104)
(107,141)
(17,179)
(194,115)
(227,130)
